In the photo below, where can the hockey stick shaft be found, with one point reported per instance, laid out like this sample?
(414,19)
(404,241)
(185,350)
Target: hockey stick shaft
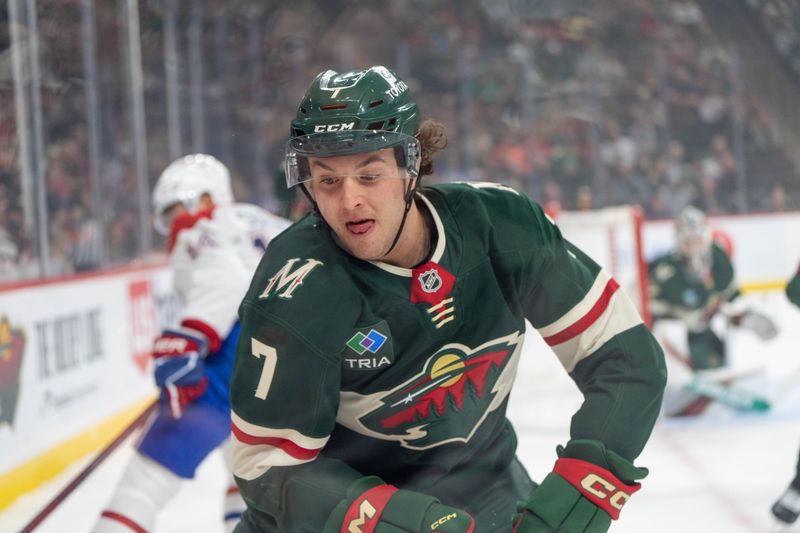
(675,353)
(725,394)
(786,385)
(104,453)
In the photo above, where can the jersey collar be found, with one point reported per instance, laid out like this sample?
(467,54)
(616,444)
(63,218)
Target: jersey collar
(438,252)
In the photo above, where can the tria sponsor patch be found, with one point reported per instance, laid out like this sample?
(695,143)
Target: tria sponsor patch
(369,348)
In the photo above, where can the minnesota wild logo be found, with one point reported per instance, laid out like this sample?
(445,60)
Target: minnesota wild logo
(446,402)
(12,348)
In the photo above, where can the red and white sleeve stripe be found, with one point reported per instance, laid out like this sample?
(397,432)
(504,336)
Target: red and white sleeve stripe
(604,312)
(257,448)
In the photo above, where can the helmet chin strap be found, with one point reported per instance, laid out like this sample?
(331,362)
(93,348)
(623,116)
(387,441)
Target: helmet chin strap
(311,199)
(409,197)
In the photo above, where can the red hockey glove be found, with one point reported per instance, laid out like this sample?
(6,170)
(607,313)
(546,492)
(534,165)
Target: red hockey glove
(372,506)
(179,369)
(579,496)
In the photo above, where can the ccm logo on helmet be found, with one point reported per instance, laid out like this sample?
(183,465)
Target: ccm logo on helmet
(334,127)
(603,489)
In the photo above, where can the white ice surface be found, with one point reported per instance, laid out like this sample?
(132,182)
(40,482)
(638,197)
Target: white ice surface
(719,472)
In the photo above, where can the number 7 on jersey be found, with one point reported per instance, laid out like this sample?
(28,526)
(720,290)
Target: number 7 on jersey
(270,355)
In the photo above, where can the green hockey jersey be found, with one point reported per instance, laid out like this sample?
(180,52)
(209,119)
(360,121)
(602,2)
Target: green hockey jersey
(675,293)
(793,289)
(347,368)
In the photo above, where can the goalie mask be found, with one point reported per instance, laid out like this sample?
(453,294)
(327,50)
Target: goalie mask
(693,236)
(185,181)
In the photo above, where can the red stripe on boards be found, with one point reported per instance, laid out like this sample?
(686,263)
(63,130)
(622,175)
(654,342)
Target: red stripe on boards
(122,519)
(586,320)
(298,452)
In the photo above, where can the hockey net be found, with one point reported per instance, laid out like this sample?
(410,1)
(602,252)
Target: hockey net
(612,236)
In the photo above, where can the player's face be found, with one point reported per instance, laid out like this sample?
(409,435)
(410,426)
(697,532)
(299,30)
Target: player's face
(361,198)
(170,213)
(694,246)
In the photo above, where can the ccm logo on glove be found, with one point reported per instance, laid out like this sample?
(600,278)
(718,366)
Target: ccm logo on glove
(597,484)
(605,489)
(169,345)
(443,519)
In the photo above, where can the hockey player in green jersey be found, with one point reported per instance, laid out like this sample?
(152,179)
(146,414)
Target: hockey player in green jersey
(793,289)
(691,284)
(381,336)
(787,508)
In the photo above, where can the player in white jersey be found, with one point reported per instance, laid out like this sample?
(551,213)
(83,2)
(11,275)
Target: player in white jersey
(215,246)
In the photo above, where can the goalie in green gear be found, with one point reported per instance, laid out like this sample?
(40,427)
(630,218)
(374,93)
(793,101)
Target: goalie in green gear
(381,335)
(694,284)
(690,284)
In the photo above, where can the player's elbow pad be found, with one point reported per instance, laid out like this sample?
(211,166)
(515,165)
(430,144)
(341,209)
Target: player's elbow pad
(371,505)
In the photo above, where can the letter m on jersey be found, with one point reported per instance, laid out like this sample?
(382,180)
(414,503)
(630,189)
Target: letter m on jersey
(289,278)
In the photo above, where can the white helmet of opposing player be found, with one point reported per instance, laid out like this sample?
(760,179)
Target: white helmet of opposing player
(185,180)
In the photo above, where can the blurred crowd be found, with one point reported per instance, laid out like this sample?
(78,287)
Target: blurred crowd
(618,102)
(780,20)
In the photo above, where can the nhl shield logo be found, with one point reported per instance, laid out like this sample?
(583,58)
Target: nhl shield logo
(430,281)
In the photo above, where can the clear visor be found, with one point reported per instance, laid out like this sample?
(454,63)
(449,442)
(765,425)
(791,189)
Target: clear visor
(340,143)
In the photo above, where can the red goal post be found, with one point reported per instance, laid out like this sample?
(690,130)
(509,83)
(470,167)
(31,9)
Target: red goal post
(612,236)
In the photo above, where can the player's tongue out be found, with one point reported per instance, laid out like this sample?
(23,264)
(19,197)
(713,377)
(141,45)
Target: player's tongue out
(360,227)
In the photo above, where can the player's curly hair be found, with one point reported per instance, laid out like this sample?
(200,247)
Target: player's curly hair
(432,139)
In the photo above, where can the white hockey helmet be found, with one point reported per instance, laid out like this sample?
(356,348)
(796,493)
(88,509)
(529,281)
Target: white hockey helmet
(691,224)
(185,180)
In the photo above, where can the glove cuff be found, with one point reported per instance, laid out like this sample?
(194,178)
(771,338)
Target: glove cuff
(206,330)
(596,484)
(365,511)
(596,453)
(371,505)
